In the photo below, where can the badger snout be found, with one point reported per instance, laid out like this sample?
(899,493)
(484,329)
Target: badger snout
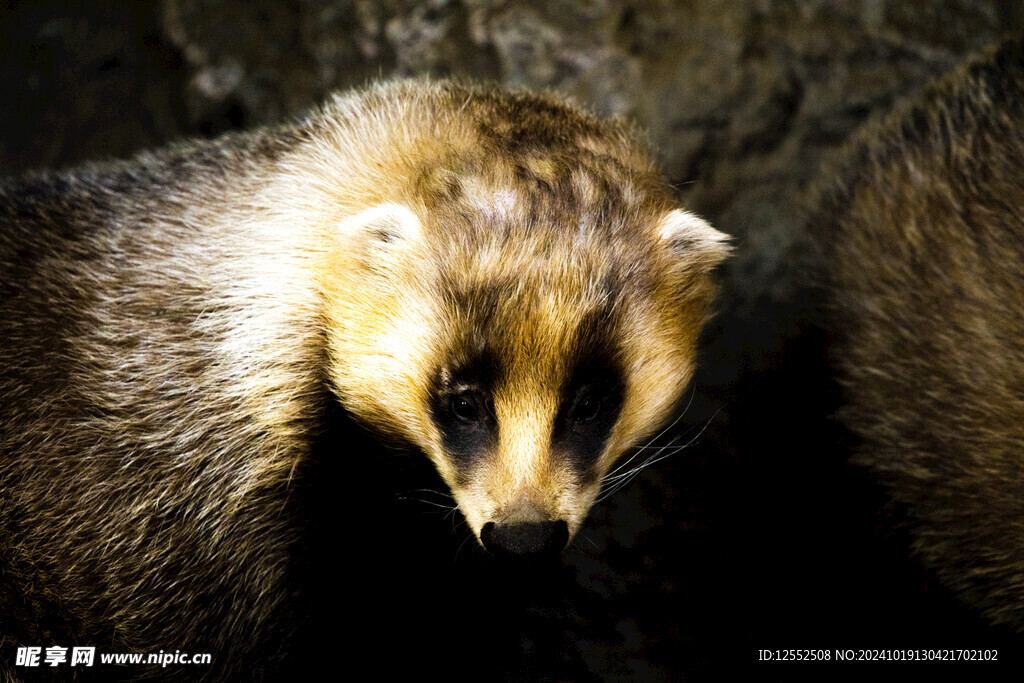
(525,538)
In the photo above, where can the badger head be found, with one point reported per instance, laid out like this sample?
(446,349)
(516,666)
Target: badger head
(525,317)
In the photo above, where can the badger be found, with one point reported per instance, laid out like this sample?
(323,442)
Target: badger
(920,240)
(497,278)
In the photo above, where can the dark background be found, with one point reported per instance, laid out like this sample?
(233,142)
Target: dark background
(756,536)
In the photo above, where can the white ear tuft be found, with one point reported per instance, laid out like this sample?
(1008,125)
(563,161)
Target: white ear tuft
(693,239)
(383,224)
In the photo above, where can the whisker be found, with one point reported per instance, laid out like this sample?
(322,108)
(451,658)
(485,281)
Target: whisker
(443,494)
(615,480)
(429,502)
(449,505)
(469,536)
(589,540)
(659,434)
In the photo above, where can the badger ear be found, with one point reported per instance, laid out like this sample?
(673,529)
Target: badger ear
(695,242)
(382,227)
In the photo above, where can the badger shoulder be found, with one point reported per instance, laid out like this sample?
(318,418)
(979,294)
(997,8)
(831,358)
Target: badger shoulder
(141,445)
(921,239)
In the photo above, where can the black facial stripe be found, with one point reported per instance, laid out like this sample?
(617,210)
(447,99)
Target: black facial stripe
(582,427)
(461,405)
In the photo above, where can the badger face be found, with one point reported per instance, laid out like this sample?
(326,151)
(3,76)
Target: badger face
(523,351)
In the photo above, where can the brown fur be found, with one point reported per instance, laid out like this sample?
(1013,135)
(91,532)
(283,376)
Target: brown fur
(171,327)
(923,242)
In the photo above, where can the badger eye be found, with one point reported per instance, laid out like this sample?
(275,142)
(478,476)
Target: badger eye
(586,409)
(465,407)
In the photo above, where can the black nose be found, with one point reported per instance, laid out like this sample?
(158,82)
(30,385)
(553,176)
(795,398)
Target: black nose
(525,538)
